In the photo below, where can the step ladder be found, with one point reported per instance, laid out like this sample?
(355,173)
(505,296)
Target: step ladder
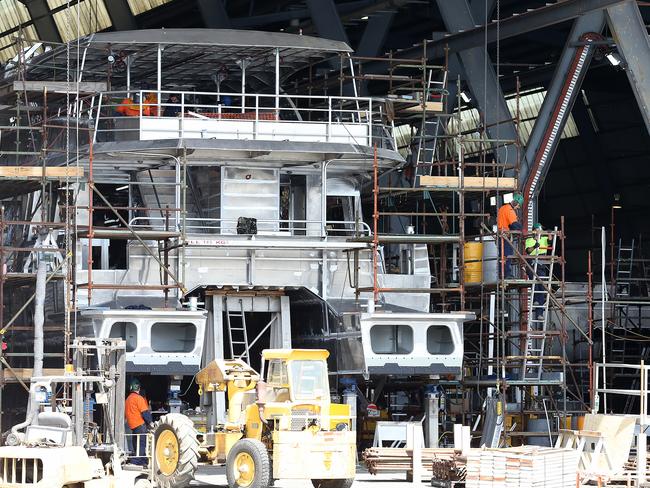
(237,333)
(629,401)
(430,129)
(538,314)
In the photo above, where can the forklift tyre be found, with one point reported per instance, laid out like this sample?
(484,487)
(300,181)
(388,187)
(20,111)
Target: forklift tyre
(248,465)
(341,483)
(176,454)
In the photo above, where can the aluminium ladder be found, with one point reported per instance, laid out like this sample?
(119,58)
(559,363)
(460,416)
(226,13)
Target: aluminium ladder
(622,290)
(237,333)
(538,314)
(429,133)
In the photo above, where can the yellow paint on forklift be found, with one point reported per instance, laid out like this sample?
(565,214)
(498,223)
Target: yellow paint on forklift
(316,455)
(295,354)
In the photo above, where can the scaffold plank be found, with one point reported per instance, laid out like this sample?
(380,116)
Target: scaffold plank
(29,172)
(61,86)
(469,183)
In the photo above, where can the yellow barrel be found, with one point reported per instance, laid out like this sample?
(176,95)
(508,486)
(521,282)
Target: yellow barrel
(473,262)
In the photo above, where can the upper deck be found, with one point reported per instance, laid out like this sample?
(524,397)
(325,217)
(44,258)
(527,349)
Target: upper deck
(226,94)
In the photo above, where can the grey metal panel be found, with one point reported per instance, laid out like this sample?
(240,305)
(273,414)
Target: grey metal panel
(252,193)
(121,15)
(214,14)
(218,37)
(631,35)
(482,80)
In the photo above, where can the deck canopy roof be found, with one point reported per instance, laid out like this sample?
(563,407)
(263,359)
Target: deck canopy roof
(190,57)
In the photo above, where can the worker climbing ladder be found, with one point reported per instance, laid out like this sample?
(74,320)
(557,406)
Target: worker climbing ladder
(237,333)
(538,312)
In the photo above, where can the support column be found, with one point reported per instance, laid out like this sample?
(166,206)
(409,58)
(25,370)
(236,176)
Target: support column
(280,336)
(41,15)
(631,36)
(560,97)
(214,402)
(121,16)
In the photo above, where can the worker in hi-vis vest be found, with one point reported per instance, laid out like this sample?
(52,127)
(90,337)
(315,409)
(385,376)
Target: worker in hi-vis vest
(507,220)
(138,416)
(537,244)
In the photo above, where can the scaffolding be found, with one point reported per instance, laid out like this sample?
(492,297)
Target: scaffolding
(45,163)
(447,198)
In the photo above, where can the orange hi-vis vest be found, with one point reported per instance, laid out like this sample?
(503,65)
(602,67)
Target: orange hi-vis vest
(129,108)
(133,407)
(506,217)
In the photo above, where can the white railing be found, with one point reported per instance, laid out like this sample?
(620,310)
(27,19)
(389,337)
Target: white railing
(265,226)
(144,115)
(601,372)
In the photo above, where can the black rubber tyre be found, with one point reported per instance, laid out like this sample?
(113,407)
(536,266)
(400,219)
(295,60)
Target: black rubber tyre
(179,431)
(344,483)
(256,451)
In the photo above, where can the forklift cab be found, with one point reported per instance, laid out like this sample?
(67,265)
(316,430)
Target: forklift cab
(295,375)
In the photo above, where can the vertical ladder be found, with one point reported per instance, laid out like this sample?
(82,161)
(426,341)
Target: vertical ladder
(624,265)
(237,334)
(538,319)
(622,289)
(429,132)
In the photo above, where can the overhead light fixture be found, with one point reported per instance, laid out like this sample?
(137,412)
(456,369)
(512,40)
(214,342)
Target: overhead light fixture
(465,96)
(617,201)
(121,188)
(613,58)
(365,17)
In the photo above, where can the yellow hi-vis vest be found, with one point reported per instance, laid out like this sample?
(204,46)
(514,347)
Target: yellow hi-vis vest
(543,245)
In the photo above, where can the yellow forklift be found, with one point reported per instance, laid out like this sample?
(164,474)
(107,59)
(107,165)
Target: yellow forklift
(280,423)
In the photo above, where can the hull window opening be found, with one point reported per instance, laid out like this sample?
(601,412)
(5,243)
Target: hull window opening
(173,337)
(391,339)
(439,340)
(127,331)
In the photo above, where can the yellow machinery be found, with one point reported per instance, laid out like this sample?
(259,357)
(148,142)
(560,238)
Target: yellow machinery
(280,423)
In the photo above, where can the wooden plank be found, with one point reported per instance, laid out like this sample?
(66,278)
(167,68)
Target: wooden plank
(25,374)
(470,182)
(51,172)
(61,86)
(430,107)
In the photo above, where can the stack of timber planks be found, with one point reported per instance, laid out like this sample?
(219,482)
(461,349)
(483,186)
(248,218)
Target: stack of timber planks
(522,467)
(400,460)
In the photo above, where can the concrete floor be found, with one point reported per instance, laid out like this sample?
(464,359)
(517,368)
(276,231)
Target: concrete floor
(216,476)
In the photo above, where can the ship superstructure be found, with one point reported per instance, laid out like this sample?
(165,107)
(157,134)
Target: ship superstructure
(220,207)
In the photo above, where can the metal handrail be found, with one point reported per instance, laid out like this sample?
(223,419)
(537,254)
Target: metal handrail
(329,110)
(356,227)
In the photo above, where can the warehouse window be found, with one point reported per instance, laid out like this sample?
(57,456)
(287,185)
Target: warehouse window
(439,340)
(173,337)
(127,331)
(391,339)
